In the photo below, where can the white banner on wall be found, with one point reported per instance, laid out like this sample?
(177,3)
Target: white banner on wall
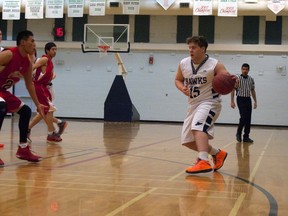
(228,8)
(34,9)
(131,6)
(75,8)
(97,8)
(11,9)
(276,5)
(202,7)
(54,8)
(165,3)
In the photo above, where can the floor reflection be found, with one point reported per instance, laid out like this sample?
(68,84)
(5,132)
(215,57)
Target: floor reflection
(197,201)
(117,138)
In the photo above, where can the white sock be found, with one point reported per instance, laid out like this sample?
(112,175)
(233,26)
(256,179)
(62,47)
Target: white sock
(23,145)
(50,133)
(214,151)
(59,121)
(203,155)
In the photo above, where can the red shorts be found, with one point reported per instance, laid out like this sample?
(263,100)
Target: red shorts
(44,96)
(12,102)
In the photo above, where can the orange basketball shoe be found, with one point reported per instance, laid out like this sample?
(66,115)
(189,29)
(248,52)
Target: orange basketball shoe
(201,166)
(1,163)
(219,159)
(1,145)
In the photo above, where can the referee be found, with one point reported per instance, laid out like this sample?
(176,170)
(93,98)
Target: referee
(244,90)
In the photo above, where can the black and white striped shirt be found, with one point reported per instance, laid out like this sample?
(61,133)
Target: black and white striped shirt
(246,85)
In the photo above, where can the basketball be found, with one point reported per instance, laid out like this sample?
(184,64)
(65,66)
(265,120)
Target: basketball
(223,83)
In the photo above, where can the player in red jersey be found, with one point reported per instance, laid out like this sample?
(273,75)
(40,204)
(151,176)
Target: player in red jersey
(42,80)
(1,48)
(14,64)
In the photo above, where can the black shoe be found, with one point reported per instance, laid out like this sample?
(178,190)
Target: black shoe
(238,138)
(248,140)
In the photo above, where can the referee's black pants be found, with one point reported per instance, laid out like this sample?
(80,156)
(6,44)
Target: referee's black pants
(245,109)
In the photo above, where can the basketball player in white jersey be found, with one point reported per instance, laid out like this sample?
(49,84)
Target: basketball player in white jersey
(194,79)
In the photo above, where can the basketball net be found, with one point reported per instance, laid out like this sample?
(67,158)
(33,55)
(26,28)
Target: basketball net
(103,50)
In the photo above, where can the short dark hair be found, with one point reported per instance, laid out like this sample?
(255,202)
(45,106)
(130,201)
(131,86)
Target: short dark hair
(200,40)
(23,35)
(246,65)
(48,46)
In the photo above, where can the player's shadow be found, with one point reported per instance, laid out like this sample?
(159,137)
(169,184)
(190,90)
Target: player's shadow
(117,137)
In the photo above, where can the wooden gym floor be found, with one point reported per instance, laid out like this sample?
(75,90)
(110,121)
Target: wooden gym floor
(137,169)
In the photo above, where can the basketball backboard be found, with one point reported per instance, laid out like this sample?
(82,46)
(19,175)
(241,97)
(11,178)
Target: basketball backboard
(115,37)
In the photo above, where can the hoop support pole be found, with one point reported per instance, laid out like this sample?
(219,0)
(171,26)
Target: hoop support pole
(121,67)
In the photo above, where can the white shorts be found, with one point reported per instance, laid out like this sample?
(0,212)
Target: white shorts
(200,117)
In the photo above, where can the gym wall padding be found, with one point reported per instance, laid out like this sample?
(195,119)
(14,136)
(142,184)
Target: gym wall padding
(118,106)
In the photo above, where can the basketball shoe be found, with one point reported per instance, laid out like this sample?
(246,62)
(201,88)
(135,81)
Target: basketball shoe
(1,163)
(62,127)
(26,154)
(54,138)
(1,145)
(248,140)
(201,166)
(219,159)
(238,138)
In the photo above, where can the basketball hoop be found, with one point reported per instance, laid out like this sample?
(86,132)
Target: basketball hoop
(103,50)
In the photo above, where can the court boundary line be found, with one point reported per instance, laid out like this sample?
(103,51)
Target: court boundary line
(131,202)
(237,205)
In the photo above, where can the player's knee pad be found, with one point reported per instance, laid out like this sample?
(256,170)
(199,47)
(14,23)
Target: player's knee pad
(25,115)
(3,111)
(3,108)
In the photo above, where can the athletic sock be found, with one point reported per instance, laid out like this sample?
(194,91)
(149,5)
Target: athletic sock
(203,155)
(23,145)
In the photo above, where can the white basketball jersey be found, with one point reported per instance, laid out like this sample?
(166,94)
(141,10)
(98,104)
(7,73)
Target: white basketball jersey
(200,83)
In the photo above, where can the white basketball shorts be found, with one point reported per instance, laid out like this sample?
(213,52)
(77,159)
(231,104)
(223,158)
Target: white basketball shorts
(200,117)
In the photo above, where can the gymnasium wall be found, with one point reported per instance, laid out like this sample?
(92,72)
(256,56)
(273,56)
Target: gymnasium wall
(83,80)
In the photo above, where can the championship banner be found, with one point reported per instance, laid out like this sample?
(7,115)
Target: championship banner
(276,5)
(75,8)
(228,8)
(131,6)
(97,8)
(11,9)
(165,3)
(202,7)
(34,9)
(54,8)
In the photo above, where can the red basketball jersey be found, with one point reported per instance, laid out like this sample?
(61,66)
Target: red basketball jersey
(47,77)
(14,70)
